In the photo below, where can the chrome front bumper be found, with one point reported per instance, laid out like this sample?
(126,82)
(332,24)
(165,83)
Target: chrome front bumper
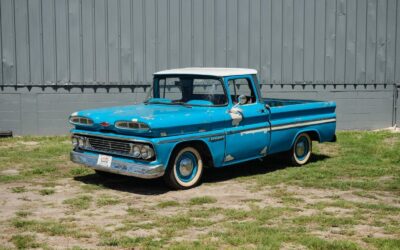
(119,167)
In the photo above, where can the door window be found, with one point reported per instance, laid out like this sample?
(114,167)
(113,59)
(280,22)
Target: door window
(241,86)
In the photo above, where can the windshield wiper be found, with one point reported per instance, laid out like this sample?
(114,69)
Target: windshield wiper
(168,103)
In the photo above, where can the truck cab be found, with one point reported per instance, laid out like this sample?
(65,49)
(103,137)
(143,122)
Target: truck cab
(197,118)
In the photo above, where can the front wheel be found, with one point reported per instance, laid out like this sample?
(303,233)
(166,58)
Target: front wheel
(301,151)
(185,169)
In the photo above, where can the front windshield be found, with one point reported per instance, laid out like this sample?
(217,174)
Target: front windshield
(190,90)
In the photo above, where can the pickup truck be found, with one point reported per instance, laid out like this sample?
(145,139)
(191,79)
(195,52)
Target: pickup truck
(198,118)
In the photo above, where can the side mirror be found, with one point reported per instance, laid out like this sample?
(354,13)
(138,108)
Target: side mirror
(267,107)
(242,99)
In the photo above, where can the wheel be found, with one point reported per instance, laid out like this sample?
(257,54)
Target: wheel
(185,169)
(301,150)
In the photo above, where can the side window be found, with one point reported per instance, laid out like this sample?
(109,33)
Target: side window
(241,86)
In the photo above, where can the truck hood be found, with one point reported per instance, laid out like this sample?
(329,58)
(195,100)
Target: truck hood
(163,119)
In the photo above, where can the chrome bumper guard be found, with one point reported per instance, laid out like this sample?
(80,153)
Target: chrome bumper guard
(120,167)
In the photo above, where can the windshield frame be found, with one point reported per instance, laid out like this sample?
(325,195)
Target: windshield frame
(156,88)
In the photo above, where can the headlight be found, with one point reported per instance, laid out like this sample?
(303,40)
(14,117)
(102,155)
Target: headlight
(132,125)
(75,142)
(146,152)
(136,151)
(79,120)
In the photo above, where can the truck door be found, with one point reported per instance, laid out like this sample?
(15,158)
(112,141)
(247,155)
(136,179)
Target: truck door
(248,136)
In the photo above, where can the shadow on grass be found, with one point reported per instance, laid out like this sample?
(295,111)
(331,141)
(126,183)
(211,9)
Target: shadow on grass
(213,175)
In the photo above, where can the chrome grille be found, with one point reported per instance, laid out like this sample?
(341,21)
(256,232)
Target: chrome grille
(109,146)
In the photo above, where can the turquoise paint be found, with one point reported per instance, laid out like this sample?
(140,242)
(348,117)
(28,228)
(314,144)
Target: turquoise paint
(261,130)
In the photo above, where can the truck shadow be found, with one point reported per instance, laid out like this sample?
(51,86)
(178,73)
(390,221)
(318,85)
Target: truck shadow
(157,186)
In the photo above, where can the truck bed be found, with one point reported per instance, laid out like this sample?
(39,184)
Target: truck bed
(275,102)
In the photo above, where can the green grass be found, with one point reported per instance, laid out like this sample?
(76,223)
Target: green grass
(18,189)
(359,160)
(359,177)
(202,200)
(47,191)
(24,241)
(80,202)
(165,204)
(49,227)
(106,200)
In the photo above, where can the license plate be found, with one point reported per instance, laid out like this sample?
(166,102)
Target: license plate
(104,161)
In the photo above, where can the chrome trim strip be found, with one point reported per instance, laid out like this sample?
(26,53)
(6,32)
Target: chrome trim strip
(190,138)
(111,137)
(120,167)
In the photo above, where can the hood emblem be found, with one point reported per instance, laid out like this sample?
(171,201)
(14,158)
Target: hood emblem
(104,124)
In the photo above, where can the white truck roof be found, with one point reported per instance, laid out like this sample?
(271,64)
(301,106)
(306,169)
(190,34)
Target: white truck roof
(219,72)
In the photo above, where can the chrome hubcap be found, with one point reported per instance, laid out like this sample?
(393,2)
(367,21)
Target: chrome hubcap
(300,149)
(186,166)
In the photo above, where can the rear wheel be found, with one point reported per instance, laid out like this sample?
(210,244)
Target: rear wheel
(185,169)
(301,151)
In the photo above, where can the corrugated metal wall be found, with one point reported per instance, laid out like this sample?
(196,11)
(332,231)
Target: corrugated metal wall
(59,56)
(124,41)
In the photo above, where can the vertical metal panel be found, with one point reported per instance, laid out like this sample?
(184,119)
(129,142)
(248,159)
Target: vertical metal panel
(162,35)
(265,43)
(49,42)
(88,46)
(198,35)
(255,36)
(370,60)
(186,33)
(113,39)
(309,28)
(75,49)
(351,35)
(125,41)
(220,33)
(287,50)
(8,42)
(319,45)
(330,38)
(150,28)
(209,33)
(22,42)
(62,41)
(298,40)
(100,26)
(361,41)
(174,34)
(243,33)
(276,51)
(340,41)
(232,35)
(36,40)
(391,40)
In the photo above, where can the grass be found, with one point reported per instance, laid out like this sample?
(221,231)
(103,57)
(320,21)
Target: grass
(346,198)
(24,241)
(80,202)
(47,191)
(106,200)
(202,200)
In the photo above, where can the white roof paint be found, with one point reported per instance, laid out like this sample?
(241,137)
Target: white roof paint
(220,72)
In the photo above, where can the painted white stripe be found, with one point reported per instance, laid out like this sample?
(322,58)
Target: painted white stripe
(300,124)
(303,124)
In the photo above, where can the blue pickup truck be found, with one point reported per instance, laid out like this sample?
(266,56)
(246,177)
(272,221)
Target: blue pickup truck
(198,118)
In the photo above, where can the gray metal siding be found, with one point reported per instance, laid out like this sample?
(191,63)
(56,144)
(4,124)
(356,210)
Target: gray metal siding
(347,51)
(122,41)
